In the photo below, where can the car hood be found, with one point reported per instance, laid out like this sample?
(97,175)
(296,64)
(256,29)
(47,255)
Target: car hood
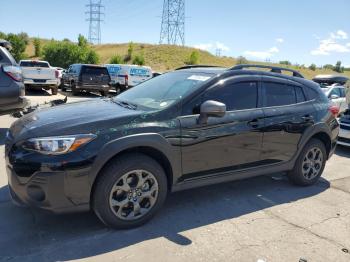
(75,118)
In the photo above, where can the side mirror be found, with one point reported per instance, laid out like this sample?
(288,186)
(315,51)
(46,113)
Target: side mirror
(211,109)
(334,96)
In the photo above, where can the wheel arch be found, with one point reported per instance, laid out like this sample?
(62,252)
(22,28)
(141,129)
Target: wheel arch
(152,145)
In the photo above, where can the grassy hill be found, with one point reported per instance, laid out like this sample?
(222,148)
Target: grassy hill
(167,57)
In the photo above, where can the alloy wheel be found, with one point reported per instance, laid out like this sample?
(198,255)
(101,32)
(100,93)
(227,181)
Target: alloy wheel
(134,195)
(312,163)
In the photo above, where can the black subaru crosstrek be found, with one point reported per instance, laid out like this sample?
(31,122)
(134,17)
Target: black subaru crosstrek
(192,127)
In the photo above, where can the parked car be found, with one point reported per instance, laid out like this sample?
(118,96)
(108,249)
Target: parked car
(12,90)
(80,77)
(336,89)
(60,74)
(39,75)
(127,76)
(121,156)
(344,133)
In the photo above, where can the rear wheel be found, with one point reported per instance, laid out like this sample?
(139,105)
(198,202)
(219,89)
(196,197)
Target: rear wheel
(54,90)
(75,91)
(129,191)
(310,164)
(104,93)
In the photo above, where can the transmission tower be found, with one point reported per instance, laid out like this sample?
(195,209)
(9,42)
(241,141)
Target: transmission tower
(95,17)
(173,22)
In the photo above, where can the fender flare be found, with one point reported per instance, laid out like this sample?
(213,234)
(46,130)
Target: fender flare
(152,140)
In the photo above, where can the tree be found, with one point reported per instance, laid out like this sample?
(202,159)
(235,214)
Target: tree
(19,43)
(338,68)
(328,66)
(116,59)
(241,60)
(3,35)
(194,58)
(312,67)
(82,41)
(64,53)
(37,47)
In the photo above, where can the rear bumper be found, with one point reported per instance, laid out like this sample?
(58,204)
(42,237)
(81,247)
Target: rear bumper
(20,104)
(344,137)
(47,82)
(104,88)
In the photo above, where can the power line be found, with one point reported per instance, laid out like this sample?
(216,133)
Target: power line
(173,22)
(95,17)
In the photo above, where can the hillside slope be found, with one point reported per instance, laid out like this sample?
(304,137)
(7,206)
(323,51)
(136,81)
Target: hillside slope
(168,57)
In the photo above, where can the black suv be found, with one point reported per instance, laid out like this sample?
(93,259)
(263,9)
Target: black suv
(81,77)
(11,86)
(192,127)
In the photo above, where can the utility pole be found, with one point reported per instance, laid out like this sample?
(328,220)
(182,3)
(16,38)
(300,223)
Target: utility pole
(173,23)
(95,17)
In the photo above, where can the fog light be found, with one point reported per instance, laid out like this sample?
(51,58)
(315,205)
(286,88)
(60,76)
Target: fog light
(36,193)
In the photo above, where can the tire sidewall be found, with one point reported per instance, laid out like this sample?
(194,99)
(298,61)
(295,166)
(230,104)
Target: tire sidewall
(111,174)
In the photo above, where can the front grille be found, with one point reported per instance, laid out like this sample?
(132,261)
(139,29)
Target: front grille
(344,140)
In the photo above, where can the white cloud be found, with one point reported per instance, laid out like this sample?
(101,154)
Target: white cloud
(222,46)
(205,47)
(279,40)
(262,54)
(332,45)
(212,47)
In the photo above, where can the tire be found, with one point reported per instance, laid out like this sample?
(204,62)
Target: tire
(306,172)
(118,171)
(75,92)
(54,90)
(104,93)
(62,86)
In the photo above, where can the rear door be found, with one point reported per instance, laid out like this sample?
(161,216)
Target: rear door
(138,75)
(93,76)
(287,115)
(232,142)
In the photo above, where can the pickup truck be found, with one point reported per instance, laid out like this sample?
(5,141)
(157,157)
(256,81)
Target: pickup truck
(39,75)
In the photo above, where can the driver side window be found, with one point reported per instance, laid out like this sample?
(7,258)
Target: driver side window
(236,96)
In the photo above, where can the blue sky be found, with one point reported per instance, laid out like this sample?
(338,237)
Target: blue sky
(300,31)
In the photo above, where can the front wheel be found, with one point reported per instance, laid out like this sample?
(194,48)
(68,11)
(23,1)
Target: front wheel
(310,164)
(129,191)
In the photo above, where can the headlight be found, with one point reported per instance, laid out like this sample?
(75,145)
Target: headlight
(57,145)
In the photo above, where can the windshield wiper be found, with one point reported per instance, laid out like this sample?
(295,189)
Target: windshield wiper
(125,104)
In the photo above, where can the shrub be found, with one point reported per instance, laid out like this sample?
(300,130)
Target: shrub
(312,67)
(128,57)
(116,59)
(193,59)
(285,62)
(241,60)
(138,60)
(338,68)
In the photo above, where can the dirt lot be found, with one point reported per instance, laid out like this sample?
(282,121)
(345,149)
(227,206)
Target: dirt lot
(259,219)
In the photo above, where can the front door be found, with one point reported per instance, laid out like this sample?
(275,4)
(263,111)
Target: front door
(226,143)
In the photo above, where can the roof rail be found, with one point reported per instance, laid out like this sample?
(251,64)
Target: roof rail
(274,69)
(194,66)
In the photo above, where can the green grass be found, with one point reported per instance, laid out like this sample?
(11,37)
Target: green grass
(168,57)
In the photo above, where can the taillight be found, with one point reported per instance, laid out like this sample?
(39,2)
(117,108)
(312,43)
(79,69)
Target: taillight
(14,72)
(334,110)
(126,80)
(57,74)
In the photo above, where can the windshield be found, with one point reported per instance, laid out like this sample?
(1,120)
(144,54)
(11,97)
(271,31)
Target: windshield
(164,90)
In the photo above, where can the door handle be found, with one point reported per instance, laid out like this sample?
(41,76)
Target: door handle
(307,118)
(254,123)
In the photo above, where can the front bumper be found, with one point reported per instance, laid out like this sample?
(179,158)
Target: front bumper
(45,190)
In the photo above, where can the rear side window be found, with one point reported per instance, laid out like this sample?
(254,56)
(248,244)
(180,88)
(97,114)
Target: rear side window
(98,71)
(335,91)
(34,64)
(277,94)
(237,96)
